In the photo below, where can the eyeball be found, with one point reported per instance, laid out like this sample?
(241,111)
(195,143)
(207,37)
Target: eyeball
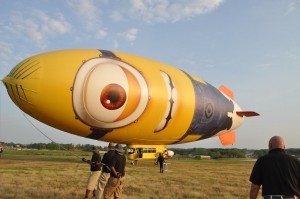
(108,93)
(113,97)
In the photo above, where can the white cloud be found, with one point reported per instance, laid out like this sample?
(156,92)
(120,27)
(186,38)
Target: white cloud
(25,29)
(87,12)
(84,8)
(291,7)
(6,49)
(53,26)
(100,34)
(130,35)
(171,11)
(90,16)
(116,44)
(116,16)
(5,54)
(37,28)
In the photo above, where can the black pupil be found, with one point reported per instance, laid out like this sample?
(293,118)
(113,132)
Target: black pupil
(113,97)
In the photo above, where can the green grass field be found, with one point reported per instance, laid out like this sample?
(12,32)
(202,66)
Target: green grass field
(59,174)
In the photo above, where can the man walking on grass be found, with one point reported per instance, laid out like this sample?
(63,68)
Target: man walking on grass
(161,162)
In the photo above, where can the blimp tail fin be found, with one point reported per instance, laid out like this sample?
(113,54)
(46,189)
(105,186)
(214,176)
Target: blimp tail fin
(227,138)
(227,91)
(230,94)
(247,113)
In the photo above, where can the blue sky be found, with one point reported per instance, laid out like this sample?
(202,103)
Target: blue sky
(252,47)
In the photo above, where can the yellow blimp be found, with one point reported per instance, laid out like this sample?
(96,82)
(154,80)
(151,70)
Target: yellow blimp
(122,98)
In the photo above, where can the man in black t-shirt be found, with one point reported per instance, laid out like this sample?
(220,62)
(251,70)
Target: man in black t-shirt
(277,172)
(94,174)
(161,161)
(105,174)
(116,181)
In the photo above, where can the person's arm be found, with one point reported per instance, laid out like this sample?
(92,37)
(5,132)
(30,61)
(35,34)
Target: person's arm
(99,164)
(113,170)
(254,191)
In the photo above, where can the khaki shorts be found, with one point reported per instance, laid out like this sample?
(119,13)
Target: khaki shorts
(101,184)
(93,180)
(114,187)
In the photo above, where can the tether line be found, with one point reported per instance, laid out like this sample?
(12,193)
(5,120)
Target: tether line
(49,137)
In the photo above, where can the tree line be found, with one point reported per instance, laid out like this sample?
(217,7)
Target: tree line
(217,153)
(226,153)
(53,146)
(195,153)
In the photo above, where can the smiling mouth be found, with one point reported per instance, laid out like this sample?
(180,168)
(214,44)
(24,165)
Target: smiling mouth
(172,103)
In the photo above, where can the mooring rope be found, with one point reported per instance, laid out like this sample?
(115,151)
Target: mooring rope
(72,153)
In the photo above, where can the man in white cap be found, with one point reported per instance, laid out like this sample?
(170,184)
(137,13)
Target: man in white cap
(116,181)
(105,174)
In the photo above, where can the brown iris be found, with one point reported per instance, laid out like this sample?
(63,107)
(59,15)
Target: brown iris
(113,96)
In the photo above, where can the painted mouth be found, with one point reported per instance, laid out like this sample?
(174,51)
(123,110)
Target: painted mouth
(172,103)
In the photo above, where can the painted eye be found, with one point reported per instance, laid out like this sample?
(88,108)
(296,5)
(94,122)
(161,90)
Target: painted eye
(113,96)
(108,93)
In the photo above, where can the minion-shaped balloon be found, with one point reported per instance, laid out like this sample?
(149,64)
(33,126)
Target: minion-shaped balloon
(122,98)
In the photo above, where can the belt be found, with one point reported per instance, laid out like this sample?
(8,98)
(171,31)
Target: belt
(279,197)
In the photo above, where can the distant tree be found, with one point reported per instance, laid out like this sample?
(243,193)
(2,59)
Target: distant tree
(259,153)
(215,154)
(52,146)
(41,146)
(237,153)
(295,152)
(87,147)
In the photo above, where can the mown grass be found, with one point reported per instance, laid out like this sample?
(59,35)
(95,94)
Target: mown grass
(52,175)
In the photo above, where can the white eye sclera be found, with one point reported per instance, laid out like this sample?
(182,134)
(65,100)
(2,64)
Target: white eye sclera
(109,93)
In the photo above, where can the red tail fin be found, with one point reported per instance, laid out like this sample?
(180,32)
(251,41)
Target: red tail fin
(227,138)
(247,113)
(227,91)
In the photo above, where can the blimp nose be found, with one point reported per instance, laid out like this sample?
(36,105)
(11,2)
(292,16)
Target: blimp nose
(21,84)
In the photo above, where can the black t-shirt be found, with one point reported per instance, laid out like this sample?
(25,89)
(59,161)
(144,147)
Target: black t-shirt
(160,159)
(118,161)
(278,173)
(96,158)
(106,158)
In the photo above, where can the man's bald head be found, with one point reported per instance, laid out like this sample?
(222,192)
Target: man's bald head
(276,142)
(111,146)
